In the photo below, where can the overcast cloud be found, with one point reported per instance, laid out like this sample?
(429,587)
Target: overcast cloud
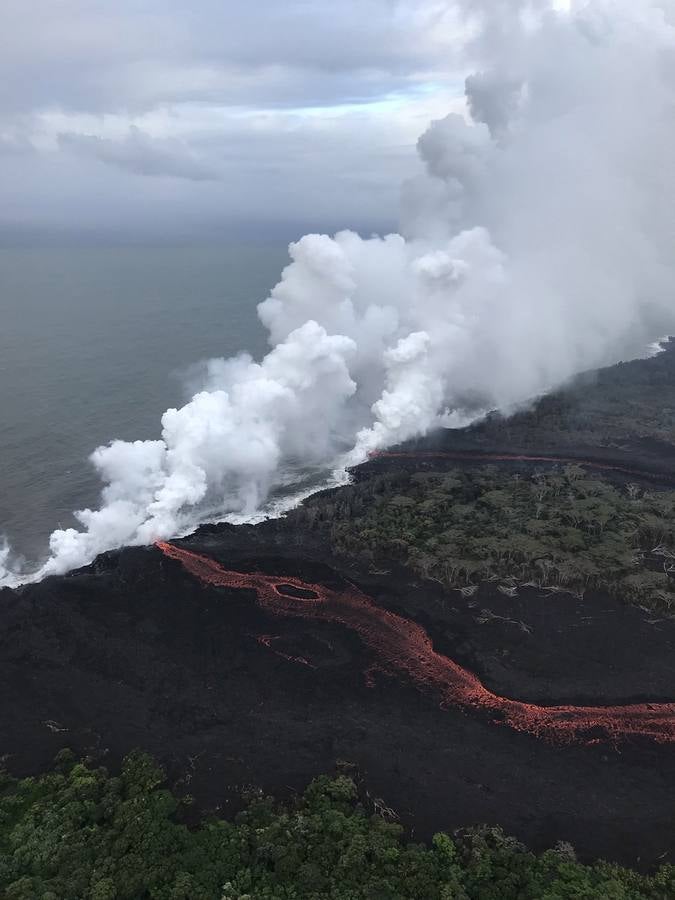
(181,117)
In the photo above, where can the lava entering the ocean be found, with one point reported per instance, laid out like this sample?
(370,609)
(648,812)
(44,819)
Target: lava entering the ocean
(402,646)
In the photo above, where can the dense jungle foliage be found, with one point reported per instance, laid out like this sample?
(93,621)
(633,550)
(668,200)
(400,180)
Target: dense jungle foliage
(78,832)
(556,530)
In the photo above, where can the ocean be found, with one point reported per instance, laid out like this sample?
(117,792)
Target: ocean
(95,343)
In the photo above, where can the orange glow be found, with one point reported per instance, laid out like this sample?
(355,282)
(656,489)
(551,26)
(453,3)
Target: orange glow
(479,457)
(403,647)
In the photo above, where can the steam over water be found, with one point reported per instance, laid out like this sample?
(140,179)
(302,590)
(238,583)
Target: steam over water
(99,341)
(537,241)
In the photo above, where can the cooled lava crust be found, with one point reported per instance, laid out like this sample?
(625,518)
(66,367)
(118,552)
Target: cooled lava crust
(402,647)
(248,656)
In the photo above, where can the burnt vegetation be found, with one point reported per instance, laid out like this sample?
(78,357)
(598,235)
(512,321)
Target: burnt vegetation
(562,530)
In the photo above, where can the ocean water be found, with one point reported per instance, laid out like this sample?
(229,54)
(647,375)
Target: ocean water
(95,344)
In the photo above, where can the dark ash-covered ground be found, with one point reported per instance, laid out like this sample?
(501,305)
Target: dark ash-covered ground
(134,652)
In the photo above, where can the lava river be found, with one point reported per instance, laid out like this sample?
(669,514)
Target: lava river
(479,457)
(403,647)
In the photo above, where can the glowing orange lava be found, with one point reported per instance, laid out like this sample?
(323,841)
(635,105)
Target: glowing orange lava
(402,646)
(268,640)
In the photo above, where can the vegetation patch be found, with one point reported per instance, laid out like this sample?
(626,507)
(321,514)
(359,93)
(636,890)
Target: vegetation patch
(79,832)
(556,530)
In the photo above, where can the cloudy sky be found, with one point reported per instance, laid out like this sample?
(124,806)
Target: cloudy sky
(171,117)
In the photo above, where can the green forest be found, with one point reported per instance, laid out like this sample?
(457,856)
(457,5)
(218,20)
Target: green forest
(555,530)
(80,833)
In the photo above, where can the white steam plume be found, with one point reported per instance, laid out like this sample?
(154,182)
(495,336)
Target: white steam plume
(538,242)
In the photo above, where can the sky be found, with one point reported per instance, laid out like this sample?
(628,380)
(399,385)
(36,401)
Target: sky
(173,118)
(536,229)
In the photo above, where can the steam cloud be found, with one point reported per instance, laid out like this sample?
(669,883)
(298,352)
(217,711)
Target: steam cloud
(538,242)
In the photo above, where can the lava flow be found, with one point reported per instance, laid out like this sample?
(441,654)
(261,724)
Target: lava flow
(402,646)
(479,457)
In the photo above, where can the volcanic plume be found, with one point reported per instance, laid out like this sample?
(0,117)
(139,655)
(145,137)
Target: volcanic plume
(535,242)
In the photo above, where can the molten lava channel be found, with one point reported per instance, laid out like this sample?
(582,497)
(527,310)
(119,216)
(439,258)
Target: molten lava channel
(402,646)
(481,457)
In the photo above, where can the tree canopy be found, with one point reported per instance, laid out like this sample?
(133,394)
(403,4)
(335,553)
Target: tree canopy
(79,832)
(555,530)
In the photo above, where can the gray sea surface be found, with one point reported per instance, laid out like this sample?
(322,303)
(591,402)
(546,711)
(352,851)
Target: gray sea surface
(95,343)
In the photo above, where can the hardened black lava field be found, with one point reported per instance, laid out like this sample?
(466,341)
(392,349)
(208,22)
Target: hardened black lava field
(257,656)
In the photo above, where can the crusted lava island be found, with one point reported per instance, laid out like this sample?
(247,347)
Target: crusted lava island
(481,626)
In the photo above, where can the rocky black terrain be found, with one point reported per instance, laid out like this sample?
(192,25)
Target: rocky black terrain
(136,651)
